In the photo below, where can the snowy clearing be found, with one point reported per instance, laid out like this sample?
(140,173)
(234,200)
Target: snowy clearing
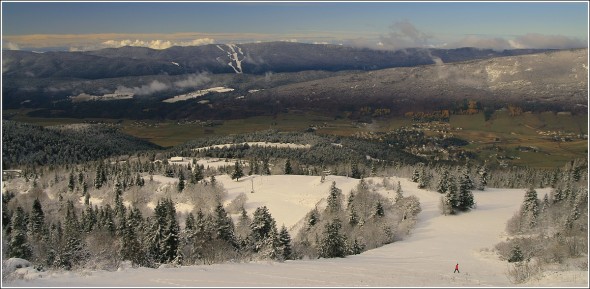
(260,144)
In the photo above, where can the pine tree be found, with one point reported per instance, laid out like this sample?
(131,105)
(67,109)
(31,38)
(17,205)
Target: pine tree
(354,171)
(334,199)
(423,179)
(350,200)
(332,243)
(379,211)
(530,208)
(197,175)
(271,245)
(181,179)
(466,200)
(443,184)
(131,248)
(516,255)
(73,252)
(356,247)
(288,168)
(224,226)
(164,235)
(89,219)
(483,177)
(19,246)
(285,243)
(312,219)
(398,193)
(71,182)
(189,223)
(265,167)
(37,219)
(238,172)
(261,226)
(416,175)
(353,218)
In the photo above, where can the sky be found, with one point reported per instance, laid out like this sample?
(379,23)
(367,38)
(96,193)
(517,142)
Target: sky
(425,258)
(385,25)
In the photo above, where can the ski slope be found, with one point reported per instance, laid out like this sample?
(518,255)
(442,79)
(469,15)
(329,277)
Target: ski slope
(426,258)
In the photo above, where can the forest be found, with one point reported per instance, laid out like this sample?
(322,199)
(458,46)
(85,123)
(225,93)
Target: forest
(101,209)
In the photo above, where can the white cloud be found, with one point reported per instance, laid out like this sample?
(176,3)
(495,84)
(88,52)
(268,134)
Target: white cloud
(193,80)
(482,42)
(534,40)
(10,46)
(531,40)
(153,44)
(404,34)
(153,87)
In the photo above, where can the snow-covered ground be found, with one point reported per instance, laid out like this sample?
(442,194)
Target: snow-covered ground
(260,144)
(109,96)
(426,258)
(197,93)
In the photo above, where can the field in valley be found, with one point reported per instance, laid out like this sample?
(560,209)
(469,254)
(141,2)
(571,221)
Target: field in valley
(527,139)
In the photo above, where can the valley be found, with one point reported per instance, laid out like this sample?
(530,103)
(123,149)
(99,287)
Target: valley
(555,138)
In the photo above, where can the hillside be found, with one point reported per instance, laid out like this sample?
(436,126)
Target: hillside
(426,258)
(250,58)
(552,79)
(25,144)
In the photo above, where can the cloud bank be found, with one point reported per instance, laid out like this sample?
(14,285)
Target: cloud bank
(401,35)
(153,44)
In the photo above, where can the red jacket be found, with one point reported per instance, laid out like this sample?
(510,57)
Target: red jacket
(457,267)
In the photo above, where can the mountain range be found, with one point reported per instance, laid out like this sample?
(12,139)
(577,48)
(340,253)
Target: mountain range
(277,76)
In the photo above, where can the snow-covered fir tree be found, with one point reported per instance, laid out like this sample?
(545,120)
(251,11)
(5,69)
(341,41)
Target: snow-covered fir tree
(332,243)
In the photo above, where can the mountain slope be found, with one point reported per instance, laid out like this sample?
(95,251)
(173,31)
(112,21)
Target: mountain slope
(551,78)
(256,58)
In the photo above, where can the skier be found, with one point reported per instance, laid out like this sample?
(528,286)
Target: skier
(456,268)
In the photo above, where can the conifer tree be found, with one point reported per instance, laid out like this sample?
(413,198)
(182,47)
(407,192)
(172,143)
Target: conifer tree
(379,211)
(71,182)
(353,218)
(261,226)
(19,246)
(516,255)
(288,168)
(181,184)
(483,177)
(238,172)
(334,199)
(354,171)
(398,193)
(224,226)
(466,200)
(423,179)
(443,184)
(37,219)
(265,167)
(332,243)
(416,175)
(285,243)
(530,208)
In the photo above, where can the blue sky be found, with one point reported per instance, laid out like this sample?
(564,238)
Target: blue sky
(384,24)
